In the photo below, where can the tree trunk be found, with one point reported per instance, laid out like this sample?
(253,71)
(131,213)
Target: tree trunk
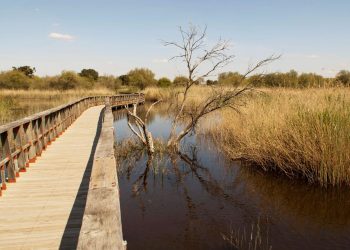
(174,140)
(149,142)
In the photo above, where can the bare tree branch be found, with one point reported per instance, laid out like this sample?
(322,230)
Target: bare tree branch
(149,109)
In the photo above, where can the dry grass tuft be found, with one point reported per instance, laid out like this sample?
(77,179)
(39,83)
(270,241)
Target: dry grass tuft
(154,94)
(254,238)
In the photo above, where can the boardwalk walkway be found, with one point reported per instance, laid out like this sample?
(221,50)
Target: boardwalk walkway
(41,210)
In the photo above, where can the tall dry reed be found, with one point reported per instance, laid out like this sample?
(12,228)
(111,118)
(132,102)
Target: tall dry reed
(300,133)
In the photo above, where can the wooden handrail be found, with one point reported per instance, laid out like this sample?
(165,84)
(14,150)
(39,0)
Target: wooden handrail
(23,140)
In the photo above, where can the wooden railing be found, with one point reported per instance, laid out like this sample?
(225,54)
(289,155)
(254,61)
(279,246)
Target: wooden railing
(22,141)
(101,226)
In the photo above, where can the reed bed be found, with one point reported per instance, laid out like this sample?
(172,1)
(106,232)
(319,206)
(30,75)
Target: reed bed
(298,133)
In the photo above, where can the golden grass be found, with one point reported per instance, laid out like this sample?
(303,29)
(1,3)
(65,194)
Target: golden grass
(195,95)
(299,133)
(49,94)
(16,104)
(153,94)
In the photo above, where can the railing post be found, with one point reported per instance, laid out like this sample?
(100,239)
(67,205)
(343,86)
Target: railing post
(6,154)
(59,124)
(47,129)
(43,132)
(31,140)
(36,137)
(24,142)
(63,119)
(53,126)
(40,131)
(10,165)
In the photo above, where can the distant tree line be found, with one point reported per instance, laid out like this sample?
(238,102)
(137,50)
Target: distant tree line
(290,79)
(24,78)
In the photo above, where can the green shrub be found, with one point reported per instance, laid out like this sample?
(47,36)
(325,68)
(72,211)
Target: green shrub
(70,80)
(109,82)
(180,81)
(14,79)
(141,78)
(164,82)
(89,73)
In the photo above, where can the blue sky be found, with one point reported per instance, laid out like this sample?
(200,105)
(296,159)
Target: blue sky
(116,36)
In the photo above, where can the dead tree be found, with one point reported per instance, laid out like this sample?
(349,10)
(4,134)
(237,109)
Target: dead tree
(141,132)
(203,61)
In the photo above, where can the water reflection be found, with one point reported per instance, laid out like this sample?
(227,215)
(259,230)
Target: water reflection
(303,203)
(188,201)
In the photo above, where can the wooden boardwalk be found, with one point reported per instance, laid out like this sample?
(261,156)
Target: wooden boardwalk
(44,208)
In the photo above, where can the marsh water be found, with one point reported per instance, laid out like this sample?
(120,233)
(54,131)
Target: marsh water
(200,199)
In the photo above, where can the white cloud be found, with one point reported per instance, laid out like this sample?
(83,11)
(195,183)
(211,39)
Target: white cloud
(160,60)
(59,36)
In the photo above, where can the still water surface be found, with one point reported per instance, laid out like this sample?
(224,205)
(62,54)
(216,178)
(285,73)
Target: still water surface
(193,201)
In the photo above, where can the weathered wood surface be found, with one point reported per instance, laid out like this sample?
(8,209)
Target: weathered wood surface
(37,212)
(101,228)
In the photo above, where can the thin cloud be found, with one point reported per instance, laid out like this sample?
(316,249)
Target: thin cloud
(59,36)
(160,60)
